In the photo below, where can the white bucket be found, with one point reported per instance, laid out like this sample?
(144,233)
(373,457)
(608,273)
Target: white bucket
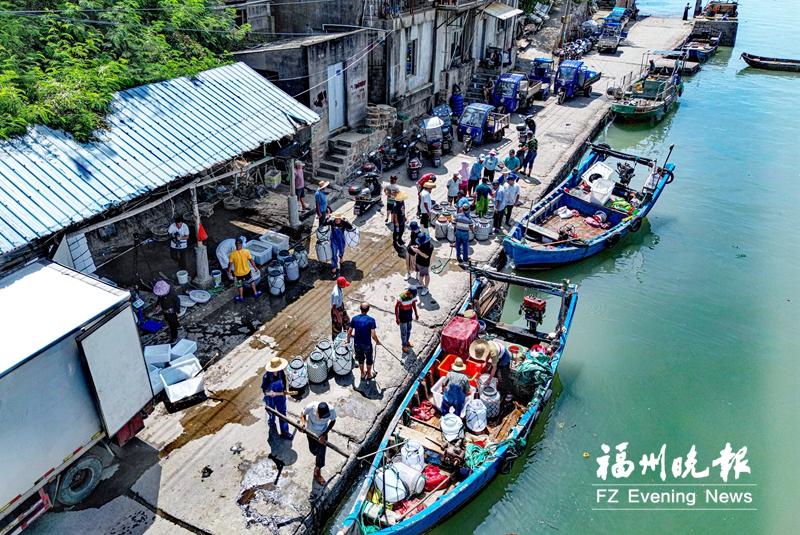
(413,478)
(292,269)
(352,237)
(275,281)
(452,427)
(413,455)
(183,276)
(491,398)
(317,368)
(483,228)
(340,339)
(324,251)
(342,360)
(390,485)
(476,416)
(301,255)
(275,265)
(296,374)
(326,348)
(217,276)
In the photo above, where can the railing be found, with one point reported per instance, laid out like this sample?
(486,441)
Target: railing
(456,3)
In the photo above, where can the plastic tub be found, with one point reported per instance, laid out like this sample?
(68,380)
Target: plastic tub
(183,381)
(261,251)
(183,347)
(601,191)
(157,355)
(473,371)
(278,241)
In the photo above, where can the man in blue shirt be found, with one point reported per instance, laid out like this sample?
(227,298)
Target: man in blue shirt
(362,332)
(475,173)
(464,225)
(321,200)
(490,164)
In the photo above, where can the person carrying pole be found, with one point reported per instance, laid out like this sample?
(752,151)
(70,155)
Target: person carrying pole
(318,419)
(275,388)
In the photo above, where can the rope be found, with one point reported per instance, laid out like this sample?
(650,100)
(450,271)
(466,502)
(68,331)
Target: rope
(477,455)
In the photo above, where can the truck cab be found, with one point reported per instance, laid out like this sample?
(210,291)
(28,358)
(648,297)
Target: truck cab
(574,78)
(542,72)
(514,91)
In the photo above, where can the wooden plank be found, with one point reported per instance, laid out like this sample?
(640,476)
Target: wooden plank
(406,433)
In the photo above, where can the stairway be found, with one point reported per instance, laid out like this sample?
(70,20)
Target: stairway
(479,78)
(345,152)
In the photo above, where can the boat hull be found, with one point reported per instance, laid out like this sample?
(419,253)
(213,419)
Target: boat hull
(771,64)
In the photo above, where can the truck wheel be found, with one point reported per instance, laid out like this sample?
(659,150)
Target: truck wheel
(80,480)
(587,92)
(562,96)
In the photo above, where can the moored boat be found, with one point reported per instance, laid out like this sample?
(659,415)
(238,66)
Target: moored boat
(771,64)
(699,46)
(592,210)
(429,464)
(649,99)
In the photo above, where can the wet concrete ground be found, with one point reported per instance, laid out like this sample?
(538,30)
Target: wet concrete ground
(206,468)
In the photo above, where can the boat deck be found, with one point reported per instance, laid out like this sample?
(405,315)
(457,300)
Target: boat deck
(583,230)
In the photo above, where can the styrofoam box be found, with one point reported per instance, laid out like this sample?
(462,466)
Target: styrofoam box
(155,379)
(438,395)
(278,241)
(260,250)
(183,347)
(183,381)
(158,355)
(180,360)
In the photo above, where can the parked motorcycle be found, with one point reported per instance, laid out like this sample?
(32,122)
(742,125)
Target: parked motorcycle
(394,149)
(367,195)
(413,167)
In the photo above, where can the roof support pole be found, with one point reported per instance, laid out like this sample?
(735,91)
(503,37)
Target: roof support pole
(294,213)
(203,277)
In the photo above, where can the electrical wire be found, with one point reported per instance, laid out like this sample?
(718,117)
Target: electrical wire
(154,9)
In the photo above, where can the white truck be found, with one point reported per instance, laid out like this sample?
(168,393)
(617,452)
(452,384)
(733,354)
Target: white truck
(72,376)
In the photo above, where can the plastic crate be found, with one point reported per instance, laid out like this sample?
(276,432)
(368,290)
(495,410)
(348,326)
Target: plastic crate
(473,371)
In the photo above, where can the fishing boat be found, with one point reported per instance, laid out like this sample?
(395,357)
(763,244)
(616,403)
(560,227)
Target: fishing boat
(592,210)
(429,464)
(649,99)
(699,46)
(771,64)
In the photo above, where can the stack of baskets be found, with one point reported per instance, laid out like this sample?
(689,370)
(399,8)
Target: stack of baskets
(381,116)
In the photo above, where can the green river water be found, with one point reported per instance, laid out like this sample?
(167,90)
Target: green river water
(687,333)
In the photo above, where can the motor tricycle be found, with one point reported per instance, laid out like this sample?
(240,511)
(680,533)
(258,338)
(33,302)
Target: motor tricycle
(572,78)
(479,123)
(513,91)
(444,113)
(542,72)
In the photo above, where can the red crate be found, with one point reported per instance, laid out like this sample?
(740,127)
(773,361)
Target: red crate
(473,371)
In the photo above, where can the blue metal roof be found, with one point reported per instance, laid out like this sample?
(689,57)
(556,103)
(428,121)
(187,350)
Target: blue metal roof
(571,63)
(481,106)
(512,77)
(156,134)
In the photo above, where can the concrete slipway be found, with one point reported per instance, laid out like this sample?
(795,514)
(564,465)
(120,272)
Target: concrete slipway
(206,469)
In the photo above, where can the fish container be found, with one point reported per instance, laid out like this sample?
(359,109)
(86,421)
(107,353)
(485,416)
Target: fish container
(183,347)
(275,281)
(483,229)
(601,191)
(217,276)
(180,360)
(297,374)
(326,348)
(476,415)
(340,339)
(183,381)
(390,485)
(324,233)
(275,265)
(440,228)
(473,371)
(157,355)
(451,233)
(317,368)
(342,360)
(491,398)
(452,427)
(301,255)
(324,251)
(283,256)
(413,478)
(278,241)
(291,269)
(352,237)
(261,251)
(486,380)
(182,276)
(413,454)
(155,379)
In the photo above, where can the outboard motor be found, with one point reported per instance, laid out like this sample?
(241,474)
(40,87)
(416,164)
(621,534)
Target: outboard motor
(625,172)
(533,309)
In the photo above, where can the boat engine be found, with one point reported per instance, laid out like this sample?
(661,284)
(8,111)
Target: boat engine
(625,172)
(533,309)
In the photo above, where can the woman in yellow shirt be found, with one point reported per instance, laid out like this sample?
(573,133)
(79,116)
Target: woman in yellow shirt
(239,264)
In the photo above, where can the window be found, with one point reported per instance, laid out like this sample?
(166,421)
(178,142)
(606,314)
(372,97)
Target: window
(411,58)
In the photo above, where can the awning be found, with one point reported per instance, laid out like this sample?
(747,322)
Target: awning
(502,11)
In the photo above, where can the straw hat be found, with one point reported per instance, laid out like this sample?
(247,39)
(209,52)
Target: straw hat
(161,288)
(337,215)
(401,196)
(429,185)
(483,350)
(458,365)
(324,184)
(276,364)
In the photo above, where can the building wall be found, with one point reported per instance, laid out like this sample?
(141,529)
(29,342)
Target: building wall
(412,93)
(728,28)
(298,17)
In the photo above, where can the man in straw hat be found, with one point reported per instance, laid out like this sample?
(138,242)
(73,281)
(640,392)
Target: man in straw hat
(321,202)
(497,357)
(340,321)
(275,388)
(490,164)
(170,305)
(426,204)
(399,219)
(338,227)
(455,388)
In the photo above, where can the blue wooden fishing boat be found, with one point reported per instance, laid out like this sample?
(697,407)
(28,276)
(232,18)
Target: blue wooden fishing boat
(593,209)
(457,469)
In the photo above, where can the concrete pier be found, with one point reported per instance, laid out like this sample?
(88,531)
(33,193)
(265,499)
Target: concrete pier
(205,469)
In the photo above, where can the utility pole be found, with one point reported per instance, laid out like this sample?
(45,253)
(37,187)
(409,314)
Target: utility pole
(294,213)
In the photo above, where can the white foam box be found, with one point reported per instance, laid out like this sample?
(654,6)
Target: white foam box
(155,379)
(183,347)
(157,355)
(183,380)
(180,360)
(278,241)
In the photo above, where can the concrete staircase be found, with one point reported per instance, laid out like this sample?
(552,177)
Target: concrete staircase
(345,152)
(479,78)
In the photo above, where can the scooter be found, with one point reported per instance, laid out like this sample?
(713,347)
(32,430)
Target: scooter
(413,168)
(394,150)
(366,196)
(467,142)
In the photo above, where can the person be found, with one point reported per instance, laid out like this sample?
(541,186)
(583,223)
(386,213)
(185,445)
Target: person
(464,225)
(498,362)
(464,171)
(424,179)
(405,311)
(300,184)
(511,196)
(426,205)
(482,197)
(686,11)
(338,227)
(490,165)
(170,305)
(453,185)
(318,419)
(362,332)
(239,263)
(399,220)
(511,162)
(179,241)
(275,388)
(651,67)
(499,204)
(424,255)
(488,91)
(530,155)
(455,388)
(391,190)
(475,173)
(522,149)
(411,258)
(321,201)
(463,201)
(339,317)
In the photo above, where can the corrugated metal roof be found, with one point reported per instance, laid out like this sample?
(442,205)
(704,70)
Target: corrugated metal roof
(157,133)
(501,11)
